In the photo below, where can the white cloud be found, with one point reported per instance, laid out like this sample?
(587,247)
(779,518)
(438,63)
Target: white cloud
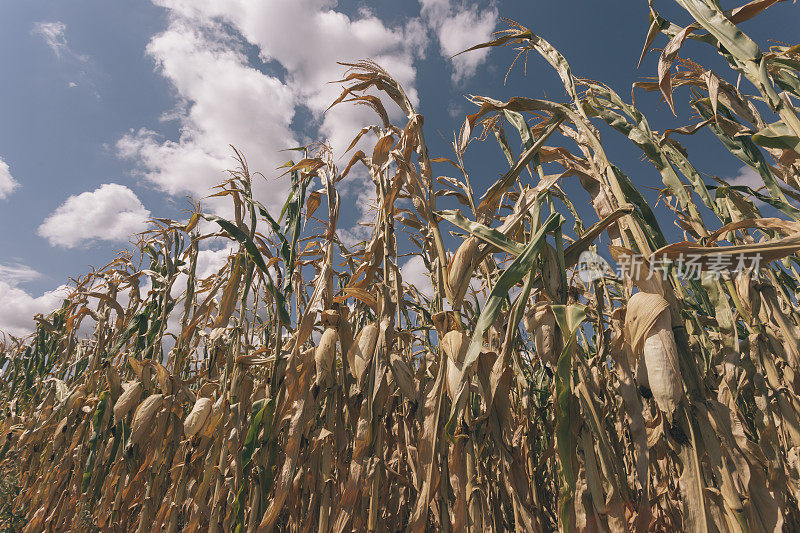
(459,27)
(209,262)
(224,98)
(7,181)
(749,177)
(415,273)
(360,185)
(19,307)
(54,35)
(17,273)
(223,101)
(308,37)
(110,213)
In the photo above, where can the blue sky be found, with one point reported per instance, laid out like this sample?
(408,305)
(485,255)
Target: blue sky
(112,112)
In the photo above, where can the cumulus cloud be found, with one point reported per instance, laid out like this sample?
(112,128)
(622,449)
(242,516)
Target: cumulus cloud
(226,96)
(415,273)
(19,307)
(459,27)
(209,262)
(7,181)
(223,101)
(360,186)
(111,212)
(308,37)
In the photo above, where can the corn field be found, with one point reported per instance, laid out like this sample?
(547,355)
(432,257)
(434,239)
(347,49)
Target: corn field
(306,386)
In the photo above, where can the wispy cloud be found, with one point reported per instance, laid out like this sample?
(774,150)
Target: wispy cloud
(78,68)
(17,273)
(55,36)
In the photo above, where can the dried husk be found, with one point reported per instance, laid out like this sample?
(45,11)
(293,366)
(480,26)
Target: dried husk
(648,329)
(213,418)
(551,273)
(114,382)
(197,416)
(75,400)
(541,321)
(361,351)
(663,369)
(749,298)
(143,418)
(129,399)
(60,433)
(643,310)
(459,271)
(403,376)
(325,354)
(455,344)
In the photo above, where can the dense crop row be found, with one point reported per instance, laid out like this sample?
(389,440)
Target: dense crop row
(306,386)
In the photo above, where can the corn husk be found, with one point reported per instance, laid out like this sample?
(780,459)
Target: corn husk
(325,354)
(541,321)
(144,416)
(648,329)
(551,273)
(403,376)
(345,330)
(459,271)
(213,418)
(643,310)
(197,417)
(114,382)
(75,400)
(455,344)
(60,433)
(128,400)
(360,353)
(663,369)
(749,298)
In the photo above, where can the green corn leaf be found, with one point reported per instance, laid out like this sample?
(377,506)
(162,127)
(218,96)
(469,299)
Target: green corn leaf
(519,268)
(777,135)
(256,257)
